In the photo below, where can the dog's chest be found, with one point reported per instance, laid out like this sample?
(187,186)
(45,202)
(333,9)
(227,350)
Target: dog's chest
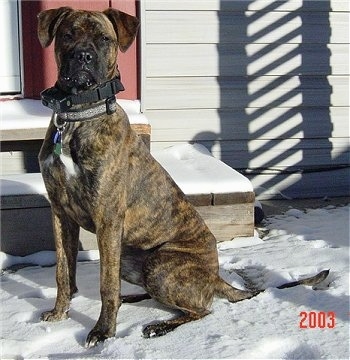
(61,152)
(71,185)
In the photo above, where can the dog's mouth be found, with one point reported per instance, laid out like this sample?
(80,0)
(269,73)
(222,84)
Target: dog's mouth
(77,82)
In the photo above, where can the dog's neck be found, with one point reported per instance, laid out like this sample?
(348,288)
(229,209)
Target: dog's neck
(85,105)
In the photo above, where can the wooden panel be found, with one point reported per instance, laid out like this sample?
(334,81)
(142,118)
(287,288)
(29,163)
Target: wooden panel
(234,198)
(238,124)
(229,221)
(252,59)
(21,237)
(221,199)
(27,134)
(272,91)
(28,230)
(26,201)
(226,27)
(22,134)
(25,231)
(262,5)
(200,199)
(18,157)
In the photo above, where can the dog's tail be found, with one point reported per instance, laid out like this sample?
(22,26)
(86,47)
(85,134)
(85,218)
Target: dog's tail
(311,281)
(224,290)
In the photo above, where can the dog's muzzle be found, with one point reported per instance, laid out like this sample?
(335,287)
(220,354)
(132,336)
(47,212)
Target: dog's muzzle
(80,72)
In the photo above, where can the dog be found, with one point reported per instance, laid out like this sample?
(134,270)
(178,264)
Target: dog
(100,176)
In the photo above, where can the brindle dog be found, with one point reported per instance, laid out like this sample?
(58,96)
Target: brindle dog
(104,179)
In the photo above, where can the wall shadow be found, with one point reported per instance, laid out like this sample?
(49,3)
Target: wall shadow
(275,116)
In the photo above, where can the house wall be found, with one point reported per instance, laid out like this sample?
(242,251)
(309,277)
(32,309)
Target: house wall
(263,84)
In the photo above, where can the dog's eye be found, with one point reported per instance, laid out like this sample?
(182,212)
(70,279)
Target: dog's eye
(105,38)
(67,37)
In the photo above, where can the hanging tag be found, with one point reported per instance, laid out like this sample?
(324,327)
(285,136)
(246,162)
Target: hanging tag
(57,147)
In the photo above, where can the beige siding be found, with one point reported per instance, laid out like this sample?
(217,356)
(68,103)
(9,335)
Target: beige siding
(169,125)
(224,60)
(232,92)
(243,27)
(216,5)
(263,84)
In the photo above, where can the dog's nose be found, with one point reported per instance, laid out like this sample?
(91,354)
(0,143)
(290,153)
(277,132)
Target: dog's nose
(83,57)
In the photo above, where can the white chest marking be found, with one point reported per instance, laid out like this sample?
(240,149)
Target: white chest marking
(71,167)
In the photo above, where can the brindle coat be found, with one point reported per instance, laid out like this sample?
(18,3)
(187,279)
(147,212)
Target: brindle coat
(107,182)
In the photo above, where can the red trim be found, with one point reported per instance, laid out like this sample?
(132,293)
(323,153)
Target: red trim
(39,64)
(33,54)
(127,62)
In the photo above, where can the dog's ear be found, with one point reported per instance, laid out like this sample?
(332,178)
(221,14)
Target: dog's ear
(48,22)
(125,26)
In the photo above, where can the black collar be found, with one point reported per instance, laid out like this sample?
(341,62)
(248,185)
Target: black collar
(98,101)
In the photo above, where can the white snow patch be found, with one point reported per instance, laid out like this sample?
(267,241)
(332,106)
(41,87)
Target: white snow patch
(43,258)
(207,174)
(192,167)
(240,242)
(31,114)
(22,184)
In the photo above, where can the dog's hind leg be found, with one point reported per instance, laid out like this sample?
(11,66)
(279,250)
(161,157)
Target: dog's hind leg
(162,328)
(129,299)
(224,290)
(183,283)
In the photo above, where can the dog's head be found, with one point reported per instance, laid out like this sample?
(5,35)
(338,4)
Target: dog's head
(86,44)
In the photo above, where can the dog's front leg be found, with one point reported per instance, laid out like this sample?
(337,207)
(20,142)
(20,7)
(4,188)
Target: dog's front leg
(66,234)
(109,244)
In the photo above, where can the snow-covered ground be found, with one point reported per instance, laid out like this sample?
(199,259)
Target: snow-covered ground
(295,323)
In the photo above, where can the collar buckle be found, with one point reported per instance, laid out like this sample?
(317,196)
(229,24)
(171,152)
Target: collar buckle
(56,100)
(111,105)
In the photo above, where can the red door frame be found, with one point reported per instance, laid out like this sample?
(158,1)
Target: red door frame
(39,64)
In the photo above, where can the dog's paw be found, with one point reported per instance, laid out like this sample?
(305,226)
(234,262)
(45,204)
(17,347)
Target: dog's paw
(95,337)
(156,330)
(54,315)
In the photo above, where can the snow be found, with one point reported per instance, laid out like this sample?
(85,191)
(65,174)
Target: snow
(296,244)
(196,171)
(22,184)
(192,167)
(30,114)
